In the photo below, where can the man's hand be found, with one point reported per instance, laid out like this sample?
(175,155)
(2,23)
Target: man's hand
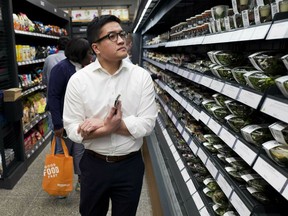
(59,132)
(93,128)
(90,125)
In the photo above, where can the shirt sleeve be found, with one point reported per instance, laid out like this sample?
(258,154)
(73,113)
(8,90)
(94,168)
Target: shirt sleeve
(73,114)
(143,123)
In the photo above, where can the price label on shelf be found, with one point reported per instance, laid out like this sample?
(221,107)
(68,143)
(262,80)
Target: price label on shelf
(176,156)
(174,120)
(245,152)
(278,31)
(186,74)
(214,126)
(191,187)
(193,147)
(186,136)
(249,98)
(191,76)
(270,174)
(201,154)
(184,103)
(224,185)
(217,85)
(227,137)
(230,90)
(175,69)
(204,212)
(206,81)
(185,174)
(179,127)
(196,114)
(239,205)
(204,117)
(247,34)
(198,200)
(212,169)
(180,165)
(189,108)
(197,78)
(285,192)
(276,109)
(235,35)
(173,149)
(260,32)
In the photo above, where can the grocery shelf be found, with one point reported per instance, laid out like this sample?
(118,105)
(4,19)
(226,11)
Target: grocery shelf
(34,34)
(271,105)
(236,194)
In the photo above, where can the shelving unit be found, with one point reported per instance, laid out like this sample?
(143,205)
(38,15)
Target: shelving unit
(272,103)
(12,129)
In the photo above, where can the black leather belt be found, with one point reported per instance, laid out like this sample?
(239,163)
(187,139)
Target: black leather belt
(109,158)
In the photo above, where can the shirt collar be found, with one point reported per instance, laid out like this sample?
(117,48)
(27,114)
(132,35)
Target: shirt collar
(123,66)
(77,65)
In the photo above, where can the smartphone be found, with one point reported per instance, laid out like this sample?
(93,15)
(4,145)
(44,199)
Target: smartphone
(117,101)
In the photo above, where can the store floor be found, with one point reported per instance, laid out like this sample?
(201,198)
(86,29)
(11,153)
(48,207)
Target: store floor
(28,199)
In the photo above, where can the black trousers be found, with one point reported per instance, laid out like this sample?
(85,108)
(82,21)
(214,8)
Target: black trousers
(119,181)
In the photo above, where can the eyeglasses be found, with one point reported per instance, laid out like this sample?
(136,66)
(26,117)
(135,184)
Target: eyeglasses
(113,36)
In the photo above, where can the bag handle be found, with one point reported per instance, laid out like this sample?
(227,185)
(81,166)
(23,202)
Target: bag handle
(64,147)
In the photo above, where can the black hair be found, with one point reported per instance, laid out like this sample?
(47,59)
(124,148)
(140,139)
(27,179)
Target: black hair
(94,27)
(62,42)
(77,49)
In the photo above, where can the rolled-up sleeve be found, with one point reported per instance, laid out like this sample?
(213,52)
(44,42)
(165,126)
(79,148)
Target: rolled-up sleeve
(73,111)
(143,123)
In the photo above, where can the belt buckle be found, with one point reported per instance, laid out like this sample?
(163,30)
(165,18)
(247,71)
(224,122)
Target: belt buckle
(107,159)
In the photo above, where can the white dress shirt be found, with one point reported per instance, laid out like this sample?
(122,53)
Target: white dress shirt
(91,93)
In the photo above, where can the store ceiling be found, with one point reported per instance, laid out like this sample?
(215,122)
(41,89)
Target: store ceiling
(133,5)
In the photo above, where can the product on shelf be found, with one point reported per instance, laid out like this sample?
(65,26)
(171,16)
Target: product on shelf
(259,80)
(238,109)
(279,131)
(269,62)
(238,73)
(219,11)
(237,123)
(277,152)
(282,84)
(256,134)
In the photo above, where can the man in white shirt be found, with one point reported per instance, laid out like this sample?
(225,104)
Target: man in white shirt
(112,133)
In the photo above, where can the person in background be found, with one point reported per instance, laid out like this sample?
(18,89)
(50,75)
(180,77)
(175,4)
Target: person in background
(53,59)
(49,63)
(129,42)
(78,54)
(111,130)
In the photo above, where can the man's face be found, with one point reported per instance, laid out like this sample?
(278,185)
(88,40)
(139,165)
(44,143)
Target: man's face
(111,50)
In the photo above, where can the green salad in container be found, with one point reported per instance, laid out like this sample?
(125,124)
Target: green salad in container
(238,109)
(220,99)
(236,123)
(282,84)
(259,80)
(238,74)
(228,58)
(211,184)
(220,198)
(277,152)
(256,134)
(269,62)
(220,112)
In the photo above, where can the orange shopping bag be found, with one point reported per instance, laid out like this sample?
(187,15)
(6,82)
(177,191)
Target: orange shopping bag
(58,171)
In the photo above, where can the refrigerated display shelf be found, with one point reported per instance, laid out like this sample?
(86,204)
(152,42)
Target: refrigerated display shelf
(248,96)
(235,192)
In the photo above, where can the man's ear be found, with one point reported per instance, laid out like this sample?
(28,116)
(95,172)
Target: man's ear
(95,48)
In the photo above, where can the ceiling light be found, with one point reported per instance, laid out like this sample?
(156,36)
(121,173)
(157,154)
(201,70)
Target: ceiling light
(142,15)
